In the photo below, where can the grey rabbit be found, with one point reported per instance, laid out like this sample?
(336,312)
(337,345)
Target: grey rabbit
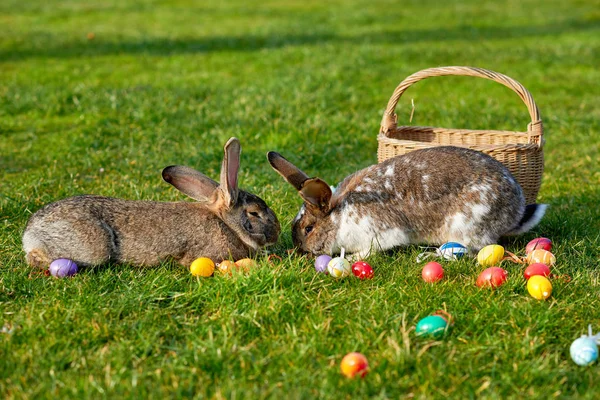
(91,230)
(429,196)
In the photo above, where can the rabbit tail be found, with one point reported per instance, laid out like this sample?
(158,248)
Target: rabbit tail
(532,216)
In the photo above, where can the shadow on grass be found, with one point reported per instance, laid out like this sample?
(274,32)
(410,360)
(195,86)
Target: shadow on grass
(49,45)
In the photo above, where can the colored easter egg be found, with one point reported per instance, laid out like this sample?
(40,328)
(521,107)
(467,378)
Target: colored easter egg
(321,263)
(339,267)
(536,269)
(538,243)
(584,351)
(246,264)
(539,287)
(202,266)
(354,364)
(541,256)
(227,267)
(362,270)
(490,255)
(432,272)
(452,250)
(432,326)
(492,277)
(63,267)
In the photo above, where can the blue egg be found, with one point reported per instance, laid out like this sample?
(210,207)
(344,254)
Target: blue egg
(452,250)
(584,351)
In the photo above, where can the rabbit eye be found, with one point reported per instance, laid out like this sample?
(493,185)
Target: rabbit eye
(254,214)
(308,229)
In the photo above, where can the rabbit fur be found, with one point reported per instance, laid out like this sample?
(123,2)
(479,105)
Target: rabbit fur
(429,196)
(223,223)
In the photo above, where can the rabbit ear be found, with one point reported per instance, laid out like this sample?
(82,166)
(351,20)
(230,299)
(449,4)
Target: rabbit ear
(190,182)
(317,193)
(289,171)
(229,171)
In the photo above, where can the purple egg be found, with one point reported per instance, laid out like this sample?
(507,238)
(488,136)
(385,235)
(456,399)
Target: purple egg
(321,263)
(63,267)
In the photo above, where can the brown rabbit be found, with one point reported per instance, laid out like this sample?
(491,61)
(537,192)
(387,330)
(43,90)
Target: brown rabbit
(430,196)
(90,230)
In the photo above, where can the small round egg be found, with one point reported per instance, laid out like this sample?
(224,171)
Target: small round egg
(63,267)
(226,267)
(452,250)
(339,267)
(538,243)
(246,264)
(432,272)
(321,263)
(362,270)
(536,269)
(492,277)
(541,256)
(490,255)
(354,364)
(539,287)
(433,326)
(584,351)
(202,266)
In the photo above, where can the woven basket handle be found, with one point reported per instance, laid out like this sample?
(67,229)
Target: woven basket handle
(534,128)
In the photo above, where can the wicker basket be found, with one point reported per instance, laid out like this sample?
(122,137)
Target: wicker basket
(521,152)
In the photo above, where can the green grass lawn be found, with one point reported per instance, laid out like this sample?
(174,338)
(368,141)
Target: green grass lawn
(168,82)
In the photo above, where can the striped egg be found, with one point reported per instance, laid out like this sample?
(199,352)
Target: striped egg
(452,251)
(584,351)
(490,255)
(541,256)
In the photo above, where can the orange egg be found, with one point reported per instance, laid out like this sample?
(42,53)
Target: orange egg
(541,256)
(354,364)
(227,267)
(246,263)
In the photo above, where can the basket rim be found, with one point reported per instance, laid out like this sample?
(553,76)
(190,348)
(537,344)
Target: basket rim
(385,140)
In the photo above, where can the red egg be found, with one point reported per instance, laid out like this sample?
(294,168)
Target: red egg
(362,270)
(536,269)
(539,243)
(432,272)
(493,276)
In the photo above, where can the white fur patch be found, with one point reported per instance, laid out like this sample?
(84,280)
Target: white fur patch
(479,211)
(355,234)
(300,213)
(389,171)
(388,185)
(391,238)
(360,235)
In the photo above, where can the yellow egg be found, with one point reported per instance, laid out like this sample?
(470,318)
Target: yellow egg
(490,255)
(539,287)
(541,256)
(202,267)
(246,263)
(227,267)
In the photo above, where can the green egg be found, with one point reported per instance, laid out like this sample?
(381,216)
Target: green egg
(433,326)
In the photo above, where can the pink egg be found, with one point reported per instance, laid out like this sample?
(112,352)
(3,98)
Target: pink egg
(362,270)
(493,276)
(432,272)
(536,269)
(539,243)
